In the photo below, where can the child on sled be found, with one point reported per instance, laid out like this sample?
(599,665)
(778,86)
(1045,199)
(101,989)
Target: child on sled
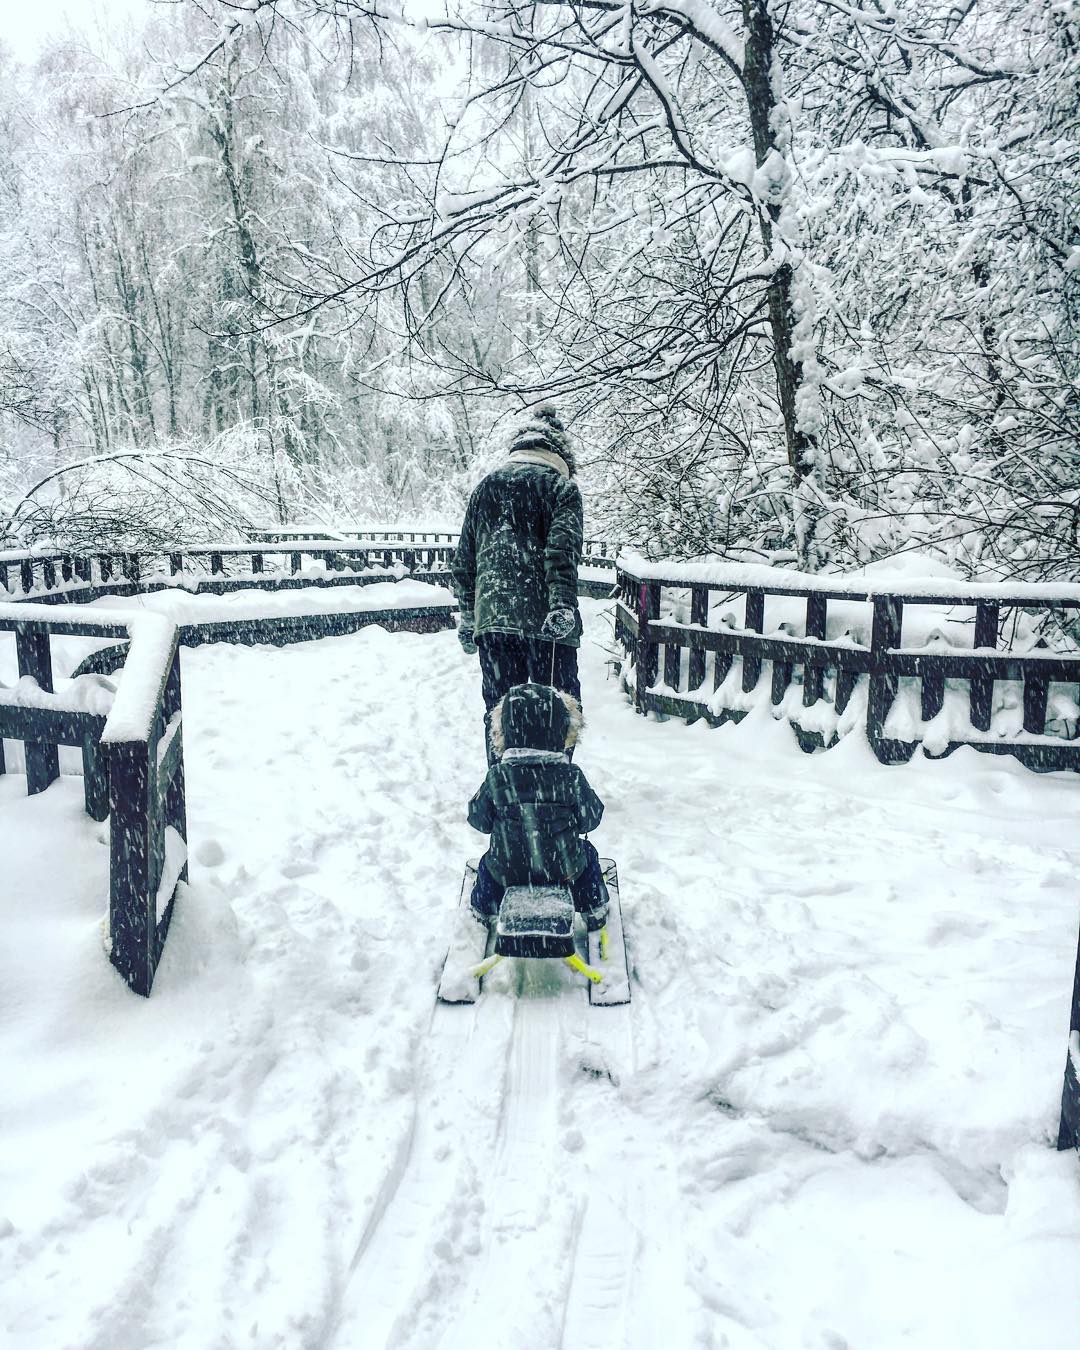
(536,805)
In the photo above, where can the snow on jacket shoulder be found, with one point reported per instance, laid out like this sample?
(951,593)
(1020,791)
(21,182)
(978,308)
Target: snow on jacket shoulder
(519,550)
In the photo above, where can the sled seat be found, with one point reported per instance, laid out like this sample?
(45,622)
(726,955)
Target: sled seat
(535,921)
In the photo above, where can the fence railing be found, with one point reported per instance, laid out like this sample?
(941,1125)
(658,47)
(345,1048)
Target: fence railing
(217,568)
(825,640)
(595,552)
(674,625)
(133,770)
(133,761)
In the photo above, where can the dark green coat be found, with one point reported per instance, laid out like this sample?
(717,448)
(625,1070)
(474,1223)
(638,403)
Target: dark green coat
(534,803)
(519,551)
(535,806)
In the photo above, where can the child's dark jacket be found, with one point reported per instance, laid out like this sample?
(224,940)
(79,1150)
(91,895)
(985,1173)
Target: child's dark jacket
(534,803)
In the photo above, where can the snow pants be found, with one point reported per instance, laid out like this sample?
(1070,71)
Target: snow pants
(587,889)
(506,660)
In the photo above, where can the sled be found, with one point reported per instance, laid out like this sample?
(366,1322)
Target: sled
(536,923)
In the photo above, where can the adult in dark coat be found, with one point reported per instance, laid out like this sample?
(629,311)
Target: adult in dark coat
(516,564)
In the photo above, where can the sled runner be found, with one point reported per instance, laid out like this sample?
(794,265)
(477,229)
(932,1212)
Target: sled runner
(536,922)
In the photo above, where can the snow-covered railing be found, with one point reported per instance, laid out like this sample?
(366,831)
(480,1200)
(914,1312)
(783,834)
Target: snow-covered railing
(847,641)
(595,552)
(289,560)
(50,575)
(133,759)
(282,535)
(839,654)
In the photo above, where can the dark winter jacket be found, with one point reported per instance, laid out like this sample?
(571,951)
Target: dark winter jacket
(534,803)
(519,550)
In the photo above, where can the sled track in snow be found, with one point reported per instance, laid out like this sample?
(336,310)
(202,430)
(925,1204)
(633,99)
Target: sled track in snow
(488,1174)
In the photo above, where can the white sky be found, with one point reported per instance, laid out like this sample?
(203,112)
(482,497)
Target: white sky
(26,24)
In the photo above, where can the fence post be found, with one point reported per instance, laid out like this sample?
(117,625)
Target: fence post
(648,653)
(35,659)
(132,903)
(981,687)
(888,623)
(817,607)
(1069,1129)
(1036,689)
(699,615)
(754,623)
(95,779)
(175,793)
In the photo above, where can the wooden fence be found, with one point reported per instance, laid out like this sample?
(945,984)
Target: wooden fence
(669,658)
(136,780)
(133,764)
(49,576)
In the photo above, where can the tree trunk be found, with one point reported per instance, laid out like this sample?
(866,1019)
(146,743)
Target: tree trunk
(808,499)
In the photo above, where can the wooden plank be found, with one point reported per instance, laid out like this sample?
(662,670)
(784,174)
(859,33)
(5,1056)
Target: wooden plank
(754,622)
(816,627)
(34,654)
(932,693)
(281,630)
(691,710)
(1069,1128)
(737,642)
(846,679)
(95,778)
(170,753)
(132,901)
(49,725)
(1036,689)
(886,632)
(981,686)
(672,665)
(647,655)
(699,615)
(781,678)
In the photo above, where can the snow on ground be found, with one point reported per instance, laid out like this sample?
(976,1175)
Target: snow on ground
(824,1122)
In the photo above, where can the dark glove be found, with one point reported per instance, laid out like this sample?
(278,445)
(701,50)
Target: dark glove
(467,639)
(559,624)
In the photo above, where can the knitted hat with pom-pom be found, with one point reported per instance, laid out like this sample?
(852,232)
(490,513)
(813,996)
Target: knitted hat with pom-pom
(541,429)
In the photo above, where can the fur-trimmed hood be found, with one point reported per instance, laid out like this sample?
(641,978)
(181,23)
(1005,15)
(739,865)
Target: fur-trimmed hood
(535,717)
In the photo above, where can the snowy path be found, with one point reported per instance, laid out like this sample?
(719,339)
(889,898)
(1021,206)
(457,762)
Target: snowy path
(823,1121)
